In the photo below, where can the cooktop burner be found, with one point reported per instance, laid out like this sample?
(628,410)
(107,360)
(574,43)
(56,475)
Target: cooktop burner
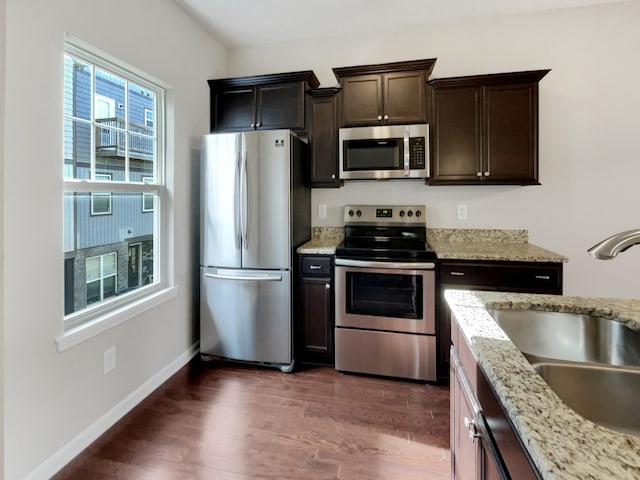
(385,233)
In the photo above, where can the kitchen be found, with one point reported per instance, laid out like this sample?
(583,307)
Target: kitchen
(587,174)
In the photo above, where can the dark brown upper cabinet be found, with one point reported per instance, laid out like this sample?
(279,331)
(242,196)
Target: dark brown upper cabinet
(389,93)
(260,102)
(485,129)
(322,124)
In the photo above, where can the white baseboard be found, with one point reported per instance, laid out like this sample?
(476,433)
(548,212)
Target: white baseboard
(53,464)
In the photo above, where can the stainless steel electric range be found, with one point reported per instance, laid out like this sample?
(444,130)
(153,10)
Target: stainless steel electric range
(385,293)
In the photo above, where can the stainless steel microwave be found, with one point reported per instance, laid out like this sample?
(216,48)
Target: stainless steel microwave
(384,152)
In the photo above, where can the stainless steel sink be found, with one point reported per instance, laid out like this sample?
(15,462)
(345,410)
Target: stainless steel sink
(570,337)
(607,396)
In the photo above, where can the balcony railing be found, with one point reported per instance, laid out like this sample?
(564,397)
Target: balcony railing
(111,139)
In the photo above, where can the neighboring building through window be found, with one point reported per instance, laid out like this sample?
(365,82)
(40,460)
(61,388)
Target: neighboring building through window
(113,157)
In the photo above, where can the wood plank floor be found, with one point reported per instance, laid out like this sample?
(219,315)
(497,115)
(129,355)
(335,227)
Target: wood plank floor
(225,422)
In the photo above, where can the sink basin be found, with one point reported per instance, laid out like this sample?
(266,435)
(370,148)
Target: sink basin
(607,396)
(570,337)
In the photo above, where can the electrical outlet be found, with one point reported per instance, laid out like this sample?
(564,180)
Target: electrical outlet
(322,210)
(109,359)
(462,212)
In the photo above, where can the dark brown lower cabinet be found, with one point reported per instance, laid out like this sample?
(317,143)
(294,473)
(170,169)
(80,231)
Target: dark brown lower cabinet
(314,328)
(484,445)
(497,276)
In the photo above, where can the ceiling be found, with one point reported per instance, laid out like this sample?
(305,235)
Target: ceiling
(238,23)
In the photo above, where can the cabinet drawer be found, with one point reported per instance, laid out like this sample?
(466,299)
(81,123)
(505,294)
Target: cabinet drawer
(316,265)
(504,276)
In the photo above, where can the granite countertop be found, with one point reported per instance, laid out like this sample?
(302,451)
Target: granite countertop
(453,244)
(487,244)
(562,444)
(324,241)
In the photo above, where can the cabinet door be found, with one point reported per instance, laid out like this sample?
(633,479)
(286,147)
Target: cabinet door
(317,328)
(465,450)
(457,134)
(510,125)
(233,109)
(280,105)
(323,141)
(361,100)
(404,97)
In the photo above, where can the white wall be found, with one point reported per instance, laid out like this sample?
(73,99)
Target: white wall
(50,397)
(589,153)
(3,23)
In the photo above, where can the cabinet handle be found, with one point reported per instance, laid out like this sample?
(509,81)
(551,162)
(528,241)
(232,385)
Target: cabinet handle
(253,125)
(543,277)
(486,174)
(457,274)
(379,117)
(327,286)
(258,124)
(472,428)
(479,174)
(333,176)
(386,117)
(315,267)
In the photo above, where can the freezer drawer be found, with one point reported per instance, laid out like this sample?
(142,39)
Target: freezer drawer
(403,355)
(246,315)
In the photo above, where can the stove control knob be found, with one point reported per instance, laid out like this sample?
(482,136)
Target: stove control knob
(351,213)
(418,213)
(410,213)
(402,213)
(358,213)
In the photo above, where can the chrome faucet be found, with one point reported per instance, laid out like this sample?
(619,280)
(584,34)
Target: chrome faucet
(612,246)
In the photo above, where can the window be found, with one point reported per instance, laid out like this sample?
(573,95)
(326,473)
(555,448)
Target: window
(147,198)
(101,201)
(148,118)
(113,156)
(101,275)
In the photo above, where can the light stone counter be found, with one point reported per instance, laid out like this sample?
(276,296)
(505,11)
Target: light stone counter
(453,244)
(486,244)
(324,241)
(562,444)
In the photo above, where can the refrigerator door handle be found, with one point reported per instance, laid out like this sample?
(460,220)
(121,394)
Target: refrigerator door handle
(245,195)
(237,194)
(250,278)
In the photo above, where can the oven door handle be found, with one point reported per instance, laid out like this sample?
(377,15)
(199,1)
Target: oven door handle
(345,262)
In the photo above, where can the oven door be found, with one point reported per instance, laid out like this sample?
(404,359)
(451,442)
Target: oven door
(395,297)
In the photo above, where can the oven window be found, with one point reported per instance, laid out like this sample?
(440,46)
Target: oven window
(384,295)
(373,154)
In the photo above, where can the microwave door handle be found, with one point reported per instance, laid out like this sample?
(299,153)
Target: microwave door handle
(406,152)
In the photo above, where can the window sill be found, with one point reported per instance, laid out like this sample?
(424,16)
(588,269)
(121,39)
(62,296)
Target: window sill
(115,317)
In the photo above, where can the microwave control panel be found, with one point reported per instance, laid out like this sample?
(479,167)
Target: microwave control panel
(416,152)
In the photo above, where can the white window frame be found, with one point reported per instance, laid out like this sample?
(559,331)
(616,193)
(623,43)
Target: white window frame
(147,196)
(102,276)
(96,318)
(101,177)
(148,120)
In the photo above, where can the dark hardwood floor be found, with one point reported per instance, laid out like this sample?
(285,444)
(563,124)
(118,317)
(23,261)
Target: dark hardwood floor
(224,422)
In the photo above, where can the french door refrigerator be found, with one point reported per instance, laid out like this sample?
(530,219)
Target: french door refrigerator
(256,209)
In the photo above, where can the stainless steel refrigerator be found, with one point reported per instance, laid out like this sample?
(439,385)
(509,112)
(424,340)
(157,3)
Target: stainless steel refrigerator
(256,209)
